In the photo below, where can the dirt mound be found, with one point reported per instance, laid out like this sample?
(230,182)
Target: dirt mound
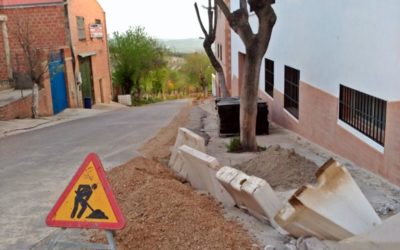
(283,169)
(163,213)
(158,147)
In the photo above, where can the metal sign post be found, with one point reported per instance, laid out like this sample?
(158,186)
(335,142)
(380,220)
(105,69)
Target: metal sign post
(57,242)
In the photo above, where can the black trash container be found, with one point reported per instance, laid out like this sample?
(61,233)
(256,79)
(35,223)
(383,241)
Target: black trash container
(229,117)
(87,103)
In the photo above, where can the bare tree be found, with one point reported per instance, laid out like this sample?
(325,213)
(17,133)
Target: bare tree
(256,46)
(209,39)
(36,63)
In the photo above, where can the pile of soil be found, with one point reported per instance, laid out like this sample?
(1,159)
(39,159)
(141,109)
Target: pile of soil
(161,212)
(283,169)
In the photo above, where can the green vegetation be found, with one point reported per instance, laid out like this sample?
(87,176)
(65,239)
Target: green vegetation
(145,69)
(134,57)
(234,145)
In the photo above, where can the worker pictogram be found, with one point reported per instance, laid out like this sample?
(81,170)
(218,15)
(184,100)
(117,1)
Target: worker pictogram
(88,201)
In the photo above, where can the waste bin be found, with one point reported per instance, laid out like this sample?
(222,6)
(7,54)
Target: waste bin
(87,103)
(229,117)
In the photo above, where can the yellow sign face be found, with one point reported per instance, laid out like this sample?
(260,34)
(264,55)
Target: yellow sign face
(88,201)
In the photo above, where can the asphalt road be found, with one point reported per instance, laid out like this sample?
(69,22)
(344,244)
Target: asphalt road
(36,166)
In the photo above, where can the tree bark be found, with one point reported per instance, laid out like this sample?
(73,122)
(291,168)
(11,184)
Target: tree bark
(248,101)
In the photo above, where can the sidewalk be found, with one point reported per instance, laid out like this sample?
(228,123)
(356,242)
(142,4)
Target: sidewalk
(383,196)
(17,126)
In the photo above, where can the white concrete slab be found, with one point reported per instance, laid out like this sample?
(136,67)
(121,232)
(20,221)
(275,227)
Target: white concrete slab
(335,209)
(251,193)
(125,100)
(189,138)
(384,236)
(200,170)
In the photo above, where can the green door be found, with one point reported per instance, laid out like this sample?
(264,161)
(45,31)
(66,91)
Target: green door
(86,74)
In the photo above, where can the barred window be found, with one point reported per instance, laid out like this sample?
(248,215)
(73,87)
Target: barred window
(292,80)
(81,27)
(269,77)
(363,112)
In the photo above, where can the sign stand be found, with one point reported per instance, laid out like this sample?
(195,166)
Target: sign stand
(110,238)
(85,245)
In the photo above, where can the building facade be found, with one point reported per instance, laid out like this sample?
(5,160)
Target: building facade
(330,75)
(74,34)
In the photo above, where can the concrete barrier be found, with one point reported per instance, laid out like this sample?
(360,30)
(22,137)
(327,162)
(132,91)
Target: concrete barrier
(125,100)
(384,236)
(200,170)
(189,138)
(251,193)
(335,209)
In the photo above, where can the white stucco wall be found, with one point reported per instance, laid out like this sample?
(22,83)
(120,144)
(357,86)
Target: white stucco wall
(351,42)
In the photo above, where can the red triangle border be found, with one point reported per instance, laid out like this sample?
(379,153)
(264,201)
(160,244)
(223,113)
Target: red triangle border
(92,157)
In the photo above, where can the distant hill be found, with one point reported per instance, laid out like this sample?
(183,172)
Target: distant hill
(184,45)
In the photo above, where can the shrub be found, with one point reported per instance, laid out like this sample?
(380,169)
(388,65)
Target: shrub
(234,145)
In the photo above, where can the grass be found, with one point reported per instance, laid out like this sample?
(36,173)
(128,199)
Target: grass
(234,146)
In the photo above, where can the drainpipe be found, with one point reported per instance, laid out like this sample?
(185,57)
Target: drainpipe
(108,56)
(3,20)
(71,46)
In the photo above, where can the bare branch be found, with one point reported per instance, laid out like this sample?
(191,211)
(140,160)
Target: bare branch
(224,8)
(199,18)
(210,17)
(213,32)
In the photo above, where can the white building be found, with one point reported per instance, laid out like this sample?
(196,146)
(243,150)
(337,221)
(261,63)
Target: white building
(331,74)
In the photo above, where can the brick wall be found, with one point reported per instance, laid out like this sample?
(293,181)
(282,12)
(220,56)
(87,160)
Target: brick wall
(318,123)
(46,26)
(22,108)
(91,10)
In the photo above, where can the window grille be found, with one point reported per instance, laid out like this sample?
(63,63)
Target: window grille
(363,112)
(269,77)
(292,80)
(81,27)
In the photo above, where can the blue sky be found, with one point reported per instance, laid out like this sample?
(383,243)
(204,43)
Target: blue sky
(167,19)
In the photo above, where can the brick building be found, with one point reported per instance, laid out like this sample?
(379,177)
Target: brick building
(74,34)
(331,75)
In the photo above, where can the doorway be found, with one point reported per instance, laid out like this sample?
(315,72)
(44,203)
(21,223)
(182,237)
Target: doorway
(85,66)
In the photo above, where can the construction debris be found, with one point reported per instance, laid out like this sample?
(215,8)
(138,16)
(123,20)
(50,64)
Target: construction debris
(200,169)
(335,209)
(189,138)
(251,193)
(384,236)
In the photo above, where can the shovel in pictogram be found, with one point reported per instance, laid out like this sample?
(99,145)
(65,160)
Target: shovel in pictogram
(96,214)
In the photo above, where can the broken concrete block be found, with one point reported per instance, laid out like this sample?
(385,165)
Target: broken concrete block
(251,193)
(384,236)
(189,138)
(335,209)
(200,170)
(261,199)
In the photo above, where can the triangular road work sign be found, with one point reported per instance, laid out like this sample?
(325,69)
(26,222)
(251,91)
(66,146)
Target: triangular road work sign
(88,201)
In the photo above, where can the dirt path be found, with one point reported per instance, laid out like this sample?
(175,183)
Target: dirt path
(162,212)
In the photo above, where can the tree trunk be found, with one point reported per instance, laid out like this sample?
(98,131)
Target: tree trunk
(217,66)
(35,101)
(248,101)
